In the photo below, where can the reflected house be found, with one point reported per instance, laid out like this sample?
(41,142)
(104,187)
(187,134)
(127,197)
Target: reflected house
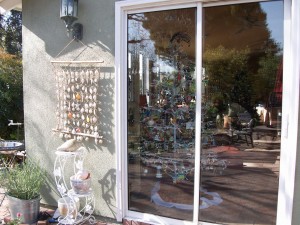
(172,147)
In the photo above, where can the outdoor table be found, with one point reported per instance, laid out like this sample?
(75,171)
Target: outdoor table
(9,152)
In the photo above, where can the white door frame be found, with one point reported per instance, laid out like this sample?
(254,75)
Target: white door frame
(291,80)
(290,111)
(122,9)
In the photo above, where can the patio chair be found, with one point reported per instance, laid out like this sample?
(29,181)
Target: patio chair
(245,133)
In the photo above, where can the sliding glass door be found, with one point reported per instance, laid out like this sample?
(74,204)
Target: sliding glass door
(212,131)
(241,112)
(161,112)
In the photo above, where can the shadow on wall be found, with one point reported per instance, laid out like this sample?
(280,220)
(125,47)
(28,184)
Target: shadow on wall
(106,102)
(41,18)
(106,112)
(108,187)
(50,188)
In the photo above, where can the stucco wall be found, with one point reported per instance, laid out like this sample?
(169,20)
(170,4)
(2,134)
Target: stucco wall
(296,201)
(44,36)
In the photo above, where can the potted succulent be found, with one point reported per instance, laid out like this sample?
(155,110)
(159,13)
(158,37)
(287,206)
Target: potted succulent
(22,184)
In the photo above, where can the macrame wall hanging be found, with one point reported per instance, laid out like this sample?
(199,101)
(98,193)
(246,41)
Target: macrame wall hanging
(77,95)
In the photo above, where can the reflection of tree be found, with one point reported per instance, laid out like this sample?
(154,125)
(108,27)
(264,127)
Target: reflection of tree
(139,39)
(171,32)
(241,70)
(165,38)
(227,75)
(265,77)
(235,41)
(238,26)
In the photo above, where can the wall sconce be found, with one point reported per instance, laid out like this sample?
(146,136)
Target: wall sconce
(68,13)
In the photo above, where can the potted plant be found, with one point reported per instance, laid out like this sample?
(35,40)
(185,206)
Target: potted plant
(22,184)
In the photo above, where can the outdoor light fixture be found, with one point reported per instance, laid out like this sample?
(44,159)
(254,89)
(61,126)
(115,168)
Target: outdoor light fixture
(68,13)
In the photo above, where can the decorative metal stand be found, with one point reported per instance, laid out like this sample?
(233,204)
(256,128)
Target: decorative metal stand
(79,207)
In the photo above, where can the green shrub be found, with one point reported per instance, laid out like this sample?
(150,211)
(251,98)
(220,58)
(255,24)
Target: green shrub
(23,181)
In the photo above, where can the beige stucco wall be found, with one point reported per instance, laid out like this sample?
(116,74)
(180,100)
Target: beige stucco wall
(44,36)
(296,200)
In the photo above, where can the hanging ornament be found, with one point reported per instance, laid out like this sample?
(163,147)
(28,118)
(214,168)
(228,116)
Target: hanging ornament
(78,96)
(61,135)
(70,115)
(97,75)
(94,119)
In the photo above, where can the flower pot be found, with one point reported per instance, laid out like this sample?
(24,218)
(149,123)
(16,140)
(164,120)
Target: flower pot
(29,209)
(68,206)
(81,186)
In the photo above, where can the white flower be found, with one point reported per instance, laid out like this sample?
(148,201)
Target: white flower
(57,172)
(61,188)
(88,209)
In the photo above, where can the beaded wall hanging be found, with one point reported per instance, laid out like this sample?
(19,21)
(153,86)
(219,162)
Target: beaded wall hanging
(77,109)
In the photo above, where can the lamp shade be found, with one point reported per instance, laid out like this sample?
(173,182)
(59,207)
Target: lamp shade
(68,11)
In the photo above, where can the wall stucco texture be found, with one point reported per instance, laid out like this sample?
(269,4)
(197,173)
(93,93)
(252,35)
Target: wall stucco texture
(44,40)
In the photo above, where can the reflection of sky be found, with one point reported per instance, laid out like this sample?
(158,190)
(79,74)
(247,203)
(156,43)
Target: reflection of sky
(274,12)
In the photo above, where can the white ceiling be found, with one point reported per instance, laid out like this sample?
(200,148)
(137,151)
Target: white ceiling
(6,5)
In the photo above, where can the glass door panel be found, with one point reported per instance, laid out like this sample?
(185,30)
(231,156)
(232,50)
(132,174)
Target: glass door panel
(161,112)
(241,113)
